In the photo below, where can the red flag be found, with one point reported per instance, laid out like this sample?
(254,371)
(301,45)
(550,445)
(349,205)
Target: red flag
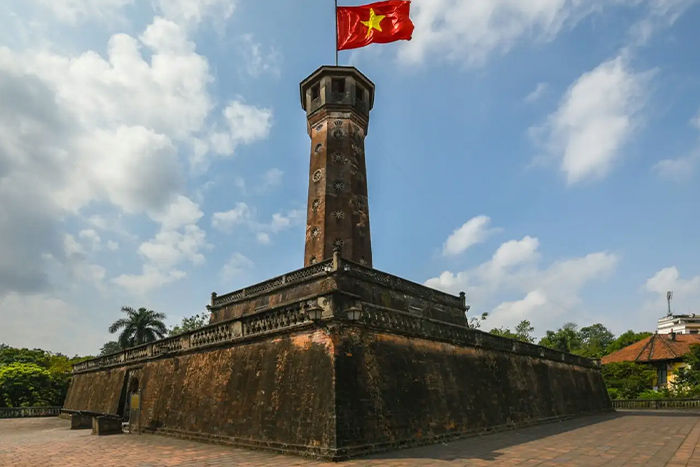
(380,22)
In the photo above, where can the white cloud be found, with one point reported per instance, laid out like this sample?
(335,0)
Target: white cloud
(112,245)
(661,14)
(193,12)
(92,237)
(53,321)
(182,211)
(225,221)
(284,221)
(236,266)
(74,11)
(686,294)
(537,92)
(595,119)
(551,294)
(263,238)
(681,168)
(475,230)
(272,178)
(150,279)
(470,31)
(259,61)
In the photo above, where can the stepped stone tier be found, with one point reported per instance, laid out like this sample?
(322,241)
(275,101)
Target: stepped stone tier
(337,359)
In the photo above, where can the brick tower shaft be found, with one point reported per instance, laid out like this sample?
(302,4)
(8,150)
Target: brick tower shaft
(337,101)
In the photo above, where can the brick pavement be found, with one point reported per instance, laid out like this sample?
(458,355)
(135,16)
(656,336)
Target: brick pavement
(621,439)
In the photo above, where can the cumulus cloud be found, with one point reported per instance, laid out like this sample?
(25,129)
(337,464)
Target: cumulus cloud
(193,12)
(475,230)
(684,167)
(242,215)
(550,293)
(595,119)
(536,93)
(237,265)
(470,31)
(226,220)
(259,60)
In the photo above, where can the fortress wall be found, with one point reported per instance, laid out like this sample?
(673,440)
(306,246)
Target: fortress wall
(96,391)
(394,390)
(271,392)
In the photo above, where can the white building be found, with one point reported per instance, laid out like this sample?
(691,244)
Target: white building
(680,324)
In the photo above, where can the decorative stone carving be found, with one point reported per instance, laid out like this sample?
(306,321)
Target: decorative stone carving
(338,243)
(318,148)
(316,232)
(338,215)
(337,157)
(315,204)
(313,260)
(338,123)
(338,133)
(317,176)
(338,186)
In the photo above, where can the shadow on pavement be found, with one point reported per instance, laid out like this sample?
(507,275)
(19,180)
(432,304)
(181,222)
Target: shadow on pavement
(486,447)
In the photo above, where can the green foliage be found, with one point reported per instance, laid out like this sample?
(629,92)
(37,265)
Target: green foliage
(139,327)
(522,332)
(190,324)
(651,394)
(629,379)
(110,347)
(34,377)
(25,385)
(687,381)
(565,339)
(613,393)
(475,322)
(625,339)
(595,341)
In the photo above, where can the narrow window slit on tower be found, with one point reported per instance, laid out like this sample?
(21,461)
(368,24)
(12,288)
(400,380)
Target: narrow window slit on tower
(359,93)
(315,92)
(338,86)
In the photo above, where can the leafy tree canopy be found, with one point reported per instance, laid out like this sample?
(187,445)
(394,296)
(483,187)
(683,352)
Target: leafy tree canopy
(522,332)
(139,327)
(190,323)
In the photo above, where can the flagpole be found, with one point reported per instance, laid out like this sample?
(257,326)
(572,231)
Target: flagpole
(336,32)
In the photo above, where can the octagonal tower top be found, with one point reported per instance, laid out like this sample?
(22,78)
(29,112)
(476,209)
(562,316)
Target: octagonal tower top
(338,88)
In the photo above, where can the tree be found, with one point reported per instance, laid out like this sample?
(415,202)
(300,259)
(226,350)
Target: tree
(475,322)
(110,347)
(139,327)
(26,385)
(522,332)
(190,324)
(687,380)
(565,339)
(628,379)
(625,339)
(595,340)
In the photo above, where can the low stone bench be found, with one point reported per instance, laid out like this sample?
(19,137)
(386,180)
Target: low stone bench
(106,426)
(79,421)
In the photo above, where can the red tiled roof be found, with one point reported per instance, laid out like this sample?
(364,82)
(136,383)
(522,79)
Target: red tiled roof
(654,347)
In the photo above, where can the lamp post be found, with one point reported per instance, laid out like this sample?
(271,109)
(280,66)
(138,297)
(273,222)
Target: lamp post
(314,312)
(354,313)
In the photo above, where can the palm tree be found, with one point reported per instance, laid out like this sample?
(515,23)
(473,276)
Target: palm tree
(140,327)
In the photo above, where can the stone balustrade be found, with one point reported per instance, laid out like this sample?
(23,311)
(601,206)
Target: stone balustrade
(291,316)
(22,412)
(338,264)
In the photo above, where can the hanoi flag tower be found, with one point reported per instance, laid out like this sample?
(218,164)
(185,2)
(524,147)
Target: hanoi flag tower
(337,359)
(337,101)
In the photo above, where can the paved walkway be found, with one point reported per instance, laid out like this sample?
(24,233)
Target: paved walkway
(621,439)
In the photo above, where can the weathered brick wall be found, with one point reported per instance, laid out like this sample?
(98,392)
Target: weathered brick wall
(96,392)
(278,389)
(392,390)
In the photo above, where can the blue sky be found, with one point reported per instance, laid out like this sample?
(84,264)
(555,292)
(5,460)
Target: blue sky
(541,156)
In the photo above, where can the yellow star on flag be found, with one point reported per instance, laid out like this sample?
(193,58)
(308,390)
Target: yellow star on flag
(375,22)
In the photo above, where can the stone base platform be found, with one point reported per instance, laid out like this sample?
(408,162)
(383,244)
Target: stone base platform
(335,361)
